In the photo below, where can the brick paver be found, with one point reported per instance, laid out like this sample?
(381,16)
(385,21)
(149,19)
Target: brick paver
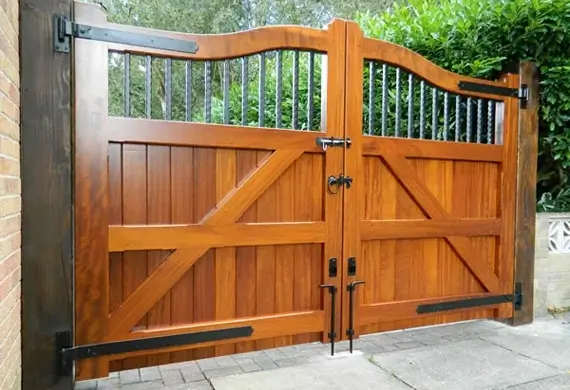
(197,374)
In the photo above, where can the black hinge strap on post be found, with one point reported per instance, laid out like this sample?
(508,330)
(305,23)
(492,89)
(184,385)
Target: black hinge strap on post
(351,287)
(68,354)
(332,334)
(521,93)
(65,29)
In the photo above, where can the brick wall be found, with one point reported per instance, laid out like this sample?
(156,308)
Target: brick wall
(10,200)
(552,262)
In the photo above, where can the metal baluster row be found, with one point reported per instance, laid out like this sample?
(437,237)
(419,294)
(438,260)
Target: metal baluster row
(217,77)
(463,121)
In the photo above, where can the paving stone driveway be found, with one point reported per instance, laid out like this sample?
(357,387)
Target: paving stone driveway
(474,355)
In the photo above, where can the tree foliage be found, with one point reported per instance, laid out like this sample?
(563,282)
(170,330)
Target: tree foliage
(482,38)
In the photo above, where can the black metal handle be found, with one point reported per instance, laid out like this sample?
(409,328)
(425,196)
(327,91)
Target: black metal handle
(351,287)
(332,334)
(338,181)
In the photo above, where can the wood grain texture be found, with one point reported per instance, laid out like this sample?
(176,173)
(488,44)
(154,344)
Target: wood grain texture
(46,168)
(526,193)
(428,228)
(402,57)
(91,198)
(160,132)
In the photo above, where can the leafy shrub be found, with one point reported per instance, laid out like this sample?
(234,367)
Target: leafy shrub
(482,38)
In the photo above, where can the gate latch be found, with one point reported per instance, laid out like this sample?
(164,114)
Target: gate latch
(324,142)
(338,181)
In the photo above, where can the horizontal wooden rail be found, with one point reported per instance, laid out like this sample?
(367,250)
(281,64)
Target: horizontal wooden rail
(440,150)
(393,54)
(401,310)
(160,132)
(149,237)
(264,327)
(428,228)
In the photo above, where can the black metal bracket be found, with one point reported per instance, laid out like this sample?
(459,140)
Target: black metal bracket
(64,30)
(521,93)
(66,354)
(333,267)
(516,299)
(351,266)
(338,181)
(332,334)
(351,287)
(325,142)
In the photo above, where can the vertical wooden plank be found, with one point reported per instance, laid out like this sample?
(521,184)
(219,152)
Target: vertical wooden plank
(352,211)
(46,160)
(225,266)
(246,262)
(182,211)
(318,193)
(508,188)
(287,285)
(134,213)
(91,196)
(333,122)
(265,255)
(115,218)
(158,211)
(204,200)
(526,193)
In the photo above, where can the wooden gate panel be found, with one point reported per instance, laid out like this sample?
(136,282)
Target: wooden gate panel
(432,168)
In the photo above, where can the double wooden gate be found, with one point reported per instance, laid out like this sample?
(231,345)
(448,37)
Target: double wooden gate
(227,226)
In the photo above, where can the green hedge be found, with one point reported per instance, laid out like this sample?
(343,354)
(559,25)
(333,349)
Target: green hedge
(481,38)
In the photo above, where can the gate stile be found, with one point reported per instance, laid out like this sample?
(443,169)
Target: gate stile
(196,238)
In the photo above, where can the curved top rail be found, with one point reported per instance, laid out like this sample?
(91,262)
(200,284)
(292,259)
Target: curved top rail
(214,46)
(400,56)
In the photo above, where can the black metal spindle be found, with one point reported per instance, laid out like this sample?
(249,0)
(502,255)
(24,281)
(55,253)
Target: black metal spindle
(168,89)
(434,113)
(208,92)
(371,97)
(311,87)
(445,116)
(384,99)
(226,87)
(148,86)
(244,89)
(261,90)
(398,112)
(295,113)
(279,89)
(410,105)
(490,122)
(479,120)
(457,118)
(468,119)
(127,85)
(188,91)
(422,109)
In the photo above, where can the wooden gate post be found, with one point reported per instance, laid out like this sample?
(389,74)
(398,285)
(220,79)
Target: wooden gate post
(46,194)
(526,193)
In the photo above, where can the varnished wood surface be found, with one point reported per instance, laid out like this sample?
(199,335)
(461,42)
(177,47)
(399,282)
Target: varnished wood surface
(526,193)
(46,167)
(212,226)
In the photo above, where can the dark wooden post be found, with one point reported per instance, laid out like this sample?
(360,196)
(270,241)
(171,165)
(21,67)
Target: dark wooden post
(526,193)
(46,193)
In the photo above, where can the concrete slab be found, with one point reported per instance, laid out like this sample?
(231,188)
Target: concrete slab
(331,374)
(465,365)
(561,382)
(546,342)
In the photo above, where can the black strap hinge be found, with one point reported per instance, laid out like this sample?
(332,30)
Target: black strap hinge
(65,29)
(521,93)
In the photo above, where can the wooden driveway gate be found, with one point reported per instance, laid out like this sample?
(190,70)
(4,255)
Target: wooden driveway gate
(213,229)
